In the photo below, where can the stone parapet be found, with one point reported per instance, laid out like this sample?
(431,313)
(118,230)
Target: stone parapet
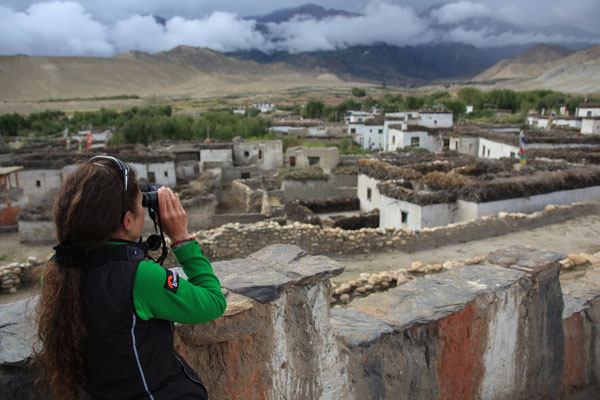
(494,330)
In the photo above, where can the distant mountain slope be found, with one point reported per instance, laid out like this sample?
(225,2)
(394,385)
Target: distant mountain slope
(526,65)
(181,71)
(393,64)
(579,72)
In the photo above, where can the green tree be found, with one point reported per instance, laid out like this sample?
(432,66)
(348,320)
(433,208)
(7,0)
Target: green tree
(313,109)
(358,92)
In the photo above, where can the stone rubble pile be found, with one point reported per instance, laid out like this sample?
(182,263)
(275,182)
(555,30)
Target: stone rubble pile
(368,283)
(16,275)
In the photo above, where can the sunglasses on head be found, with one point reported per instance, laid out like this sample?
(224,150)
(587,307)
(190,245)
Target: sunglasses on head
(122,166)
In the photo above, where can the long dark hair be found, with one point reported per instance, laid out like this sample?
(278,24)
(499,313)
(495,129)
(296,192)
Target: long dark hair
(89,208)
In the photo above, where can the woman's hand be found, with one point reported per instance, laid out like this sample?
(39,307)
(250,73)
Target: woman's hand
(172,215)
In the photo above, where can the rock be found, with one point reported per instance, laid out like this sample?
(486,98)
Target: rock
(345,298)
(502,214)
(415,266)
(12,290)
(434,267)
(345,288)
(550,207)
(356,283)
(577,259)
(365,275)
(591,259)
(361,290)
(403,242)
(368,287)
(374,280)
(385,284)
(337,291)
(448,265)
(566,263)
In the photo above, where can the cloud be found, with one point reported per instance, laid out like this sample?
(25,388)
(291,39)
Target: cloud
(55,28)
(457,12)
(380,22)
(110,27)
(220,31)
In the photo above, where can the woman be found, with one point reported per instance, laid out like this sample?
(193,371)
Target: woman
(105,313)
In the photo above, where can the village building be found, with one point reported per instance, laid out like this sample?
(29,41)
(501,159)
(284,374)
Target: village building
(542,122)
(590,126)
(369,134)
(264,107)
(326,158)
(191,158)
(401,136)
(357,117)
(298,127)
(419,191)
(588,110)
(264,154)
(435,119)
(12,197)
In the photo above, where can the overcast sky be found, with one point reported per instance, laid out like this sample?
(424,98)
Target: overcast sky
(110,27)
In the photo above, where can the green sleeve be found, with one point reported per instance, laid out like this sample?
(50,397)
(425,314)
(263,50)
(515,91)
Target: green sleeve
(193,301)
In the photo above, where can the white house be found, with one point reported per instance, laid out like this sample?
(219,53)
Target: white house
(496,149)
(561,121)
(160,173)
(435,119)
(401,136)
(590,126)
(588,110)
(264,107)
(367,193)
(370,135)
(464,144)
(356,117)
(38,183)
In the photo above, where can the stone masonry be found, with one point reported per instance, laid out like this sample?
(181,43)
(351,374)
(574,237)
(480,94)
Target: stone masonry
(501,329)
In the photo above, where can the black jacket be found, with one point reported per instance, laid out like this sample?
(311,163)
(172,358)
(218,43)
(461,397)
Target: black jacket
(125,356)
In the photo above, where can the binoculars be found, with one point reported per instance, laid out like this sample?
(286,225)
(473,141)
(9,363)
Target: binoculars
(149,196)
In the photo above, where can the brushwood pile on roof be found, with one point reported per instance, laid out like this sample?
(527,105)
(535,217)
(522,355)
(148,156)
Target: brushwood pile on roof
(56,157)
(579,155)
(435,180)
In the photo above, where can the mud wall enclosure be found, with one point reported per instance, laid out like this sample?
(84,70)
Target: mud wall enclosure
(496,330)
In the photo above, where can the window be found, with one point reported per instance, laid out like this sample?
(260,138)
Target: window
(435,121)
(369,194)
(313,160)
(245,175)
(152,177)
(260,154)
(404,217)
(246,154)
(380,131)
(488,153)
(38,183)
(513,154)
(393,139)
(414,141)
(589,113)
(352,130)
(292,161)
(370,130)
(483,152)
(166,174)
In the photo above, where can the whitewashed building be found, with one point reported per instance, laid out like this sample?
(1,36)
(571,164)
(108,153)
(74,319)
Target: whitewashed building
(464,144)
(493,149)
(357,117)
(590,126)
(370,134)
(588,110)
(403,135)
(435,119)
(264,107)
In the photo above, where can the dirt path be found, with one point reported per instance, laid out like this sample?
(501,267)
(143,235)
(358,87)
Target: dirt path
(578,235)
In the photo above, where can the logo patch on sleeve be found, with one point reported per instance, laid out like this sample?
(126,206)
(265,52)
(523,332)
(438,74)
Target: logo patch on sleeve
(172,282)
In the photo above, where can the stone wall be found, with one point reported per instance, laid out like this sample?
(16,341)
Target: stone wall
(496,330)
(16,275)
(313,190)
(235,240)
(38,232)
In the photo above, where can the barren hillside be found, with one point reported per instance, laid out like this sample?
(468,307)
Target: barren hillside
(526,65)
(183,71)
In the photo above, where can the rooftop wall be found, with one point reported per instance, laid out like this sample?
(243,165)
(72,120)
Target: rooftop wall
(495,330)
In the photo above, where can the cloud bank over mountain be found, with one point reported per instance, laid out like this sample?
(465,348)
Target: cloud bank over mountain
(68,28)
